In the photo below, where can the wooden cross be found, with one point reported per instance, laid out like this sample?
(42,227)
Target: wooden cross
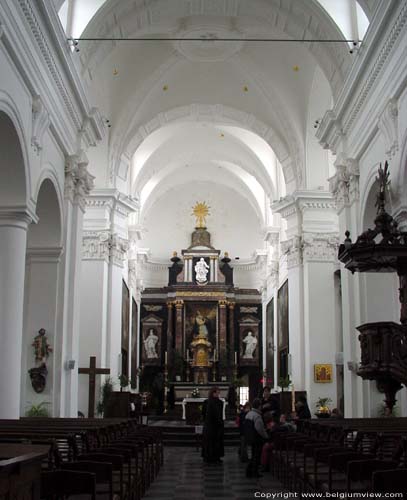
(92,371)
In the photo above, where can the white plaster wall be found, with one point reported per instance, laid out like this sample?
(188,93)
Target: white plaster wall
(232,222)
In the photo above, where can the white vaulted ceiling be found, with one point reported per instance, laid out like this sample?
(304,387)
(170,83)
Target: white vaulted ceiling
(235,115)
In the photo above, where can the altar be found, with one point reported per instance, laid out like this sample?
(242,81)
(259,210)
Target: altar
(192,410)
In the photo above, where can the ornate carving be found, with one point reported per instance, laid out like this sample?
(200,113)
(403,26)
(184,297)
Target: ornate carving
(118,249)
(96,245)
(100,245)
(320,247)
(388,126)
(78,181)
(292,248)
(40,122)
(344,185)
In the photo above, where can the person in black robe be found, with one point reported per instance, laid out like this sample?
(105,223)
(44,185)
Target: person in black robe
(213,431)
(302,408)
(270,403)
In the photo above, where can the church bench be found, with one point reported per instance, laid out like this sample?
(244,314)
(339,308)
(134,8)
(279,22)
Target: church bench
(67,484)
(20,470)
(103,472)
(390,481)
(120,482)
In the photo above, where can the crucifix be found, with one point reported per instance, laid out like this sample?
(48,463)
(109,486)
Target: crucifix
(92,371)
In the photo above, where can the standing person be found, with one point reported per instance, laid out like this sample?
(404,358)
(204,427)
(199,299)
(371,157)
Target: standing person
(244,457)
(256,435)
(270,402)
(302,408)
(212,436)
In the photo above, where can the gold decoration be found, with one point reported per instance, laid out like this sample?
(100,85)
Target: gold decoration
(201,294)
(323,373)
(165,88)
(115,72)
(245,88)
(200,211)
(296,68)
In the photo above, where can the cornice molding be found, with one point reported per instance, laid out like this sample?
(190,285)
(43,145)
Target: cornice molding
(371,61)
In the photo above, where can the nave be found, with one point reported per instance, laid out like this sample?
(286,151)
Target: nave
(184,476)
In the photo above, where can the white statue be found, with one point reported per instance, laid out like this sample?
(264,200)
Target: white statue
(149,344)
(251,344)
(201,271)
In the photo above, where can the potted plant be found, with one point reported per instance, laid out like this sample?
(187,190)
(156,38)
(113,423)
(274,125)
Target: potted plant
(38,410)
(323,410)
(284,383)
(124,382)
(105,392)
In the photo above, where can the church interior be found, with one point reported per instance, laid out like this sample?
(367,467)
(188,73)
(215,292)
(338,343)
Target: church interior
(202,197)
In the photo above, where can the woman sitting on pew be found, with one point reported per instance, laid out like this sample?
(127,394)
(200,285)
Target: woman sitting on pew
(274,427)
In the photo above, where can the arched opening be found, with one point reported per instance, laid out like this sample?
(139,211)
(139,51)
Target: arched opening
(13,233)
(41,298)
(13,186)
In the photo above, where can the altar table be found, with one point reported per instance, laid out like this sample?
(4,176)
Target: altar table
(192,411)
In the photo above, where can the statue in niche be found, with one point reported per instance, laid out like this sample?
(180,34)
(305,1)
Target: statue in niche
(150,343)
(201,328)
(250,342)
(201,271)
(41,347)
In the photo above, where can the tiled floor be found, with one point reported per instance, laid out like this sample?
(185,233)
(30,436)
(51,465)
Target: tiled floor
(185,476)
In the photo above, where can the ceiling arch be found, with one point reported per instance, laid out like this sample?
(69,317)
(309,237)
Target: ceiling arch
(243,18)
(252,134)
(226,174)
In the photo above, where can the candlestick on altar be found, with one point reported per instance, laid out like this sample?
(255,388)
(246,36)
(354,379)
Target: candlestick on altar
(214,354)
(292,398)
(235,357)
(165,358)
(187,355)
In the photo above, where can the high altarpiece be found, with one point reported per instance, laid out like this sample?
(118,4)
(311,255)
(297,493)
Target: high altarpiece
(200,330)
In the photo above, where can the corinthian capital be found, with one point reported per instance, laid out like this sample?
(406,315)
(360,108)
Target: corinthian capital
(78,181)
(118,249)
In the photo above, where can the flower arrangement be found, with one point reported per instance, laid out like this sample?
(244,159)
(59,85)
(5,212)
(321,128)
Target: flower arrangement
(195,393)
(322,405)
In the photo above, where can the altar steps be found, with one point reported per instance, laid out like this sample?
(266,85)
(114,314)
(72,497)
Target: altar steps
(187,437)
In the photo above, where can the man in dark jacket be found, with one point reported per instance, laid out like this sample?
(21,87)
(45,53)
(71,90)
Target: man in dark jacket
(213,429)
(256,435)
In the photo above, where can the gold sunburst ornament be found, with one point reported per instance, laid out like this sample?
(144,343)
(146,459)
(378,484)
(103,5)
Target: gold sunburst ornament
(200,211)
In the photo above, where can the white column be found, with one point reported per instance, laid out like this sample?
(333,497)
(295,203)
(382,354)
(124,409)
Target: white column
(345,188)
(319,257)
(93,315)
(13,240)
(292,248)
(78,183)
(190,269)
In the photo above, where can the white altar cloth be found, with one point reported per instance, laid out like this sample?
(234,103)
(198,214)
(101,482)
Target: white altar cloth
(200,400)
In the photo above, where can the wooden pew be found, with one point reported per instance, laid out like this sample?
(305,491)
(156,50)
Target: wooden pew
(20,470)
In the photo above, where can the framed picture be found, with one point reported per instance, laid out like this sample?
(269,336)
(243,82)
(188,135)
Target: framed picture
(323,373)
